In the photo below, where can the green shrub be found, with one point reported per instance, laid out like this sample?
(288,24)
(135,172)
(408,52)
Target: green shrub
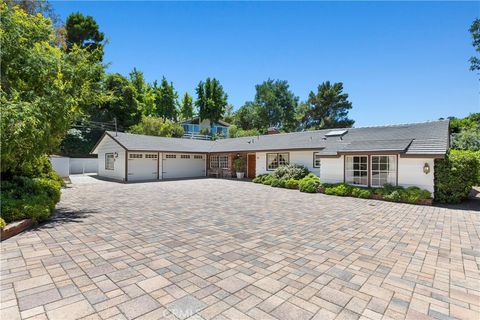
(259,178)
(291,184)
(2,223)
(455,176)
(358,192)
(340,189)
(393,196)
(414,194)
(24,197)
(290,171)
(309,183)
(267,180)
(275,183)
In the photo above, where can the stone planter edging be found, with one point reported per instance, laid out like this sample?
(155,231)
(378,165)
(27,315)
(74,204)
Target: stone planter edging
(15,228)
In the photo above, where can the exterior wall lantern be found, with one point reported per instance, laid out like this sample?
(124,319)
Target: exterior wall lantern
(426,168)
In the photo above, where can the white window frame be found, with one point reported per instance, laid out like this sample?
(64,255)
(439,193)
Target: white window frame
(276,161)
(110,156)
(218,162)
(352,170)
(387,171)
(316,160)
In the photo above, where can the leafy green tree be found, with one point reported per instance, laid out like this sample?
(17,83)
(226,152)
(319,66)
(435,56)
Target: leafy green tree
(156,126)
(235,132)
(145,93)
(475,31)
(43,89)
(328,108)
(467,139)
(211,100)
(247,117)
(186,108)
(166,100)
(229,115)
(84,32)
(123,105)
(274,106)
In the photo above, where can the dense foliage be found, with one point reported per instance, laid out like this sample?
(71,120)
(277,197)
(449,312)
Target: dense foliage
(155,126)
(290,171)
(211,100)
(310,183)
(43,88)
(328,108)
(456,175)
(32,195)
(466,132)
(475,31)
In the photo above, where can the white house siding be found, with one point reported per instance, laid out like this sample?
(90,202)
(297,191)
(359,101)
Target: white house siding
(331,170)
(109,146)
(410,173)
(298,157)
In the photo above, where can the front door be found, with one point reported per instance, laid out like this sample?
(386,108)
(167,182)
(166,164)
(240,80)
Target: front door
(251,166)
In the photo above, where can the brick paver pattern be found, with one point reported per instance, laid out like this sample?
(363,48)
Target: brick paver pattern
(218,249)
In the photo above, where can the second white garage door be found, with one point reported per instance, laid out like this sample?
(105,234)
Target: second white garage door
(179,165)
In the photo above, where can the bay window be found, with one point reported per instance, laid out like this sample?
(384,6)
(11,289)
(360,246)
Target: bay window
(275,160)
(356,170)
(384,170)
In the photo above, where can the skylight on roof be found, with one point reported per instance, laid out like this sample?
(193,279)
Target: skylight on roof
(336,133)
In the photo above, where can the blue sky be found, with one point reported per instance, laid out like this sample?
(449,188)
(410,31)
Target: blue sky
(399,62)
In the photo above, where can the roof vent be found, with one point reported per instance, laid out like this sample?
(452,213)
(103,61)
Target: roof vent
(336,133)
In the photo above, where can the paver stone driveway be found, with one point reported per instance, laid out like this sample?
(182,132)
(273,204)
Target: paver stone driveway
(219,249)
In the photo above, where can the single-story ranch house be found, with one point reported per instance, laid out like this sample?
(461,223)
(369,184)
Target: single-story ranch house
(371,156)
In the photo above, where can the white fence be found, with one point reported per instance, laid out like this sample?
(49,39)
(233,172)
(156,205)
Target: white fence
(66,166)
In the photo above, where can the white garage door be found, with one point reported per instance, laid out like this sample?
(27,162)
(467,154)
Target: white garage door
(179,165)
(142,166)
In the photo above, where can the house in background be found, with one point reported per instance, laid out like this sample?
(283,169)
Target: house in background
(373,156)
(193,128)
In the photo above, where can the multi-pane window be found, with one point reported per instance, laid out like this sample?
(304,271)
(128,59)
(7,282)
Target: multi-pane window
(185,156)
(150,156)
(170,156)
(275,160)
(197,156)
(219,162)
(316,160)
(109,161)
(383,170)
(356,170)
(135,156)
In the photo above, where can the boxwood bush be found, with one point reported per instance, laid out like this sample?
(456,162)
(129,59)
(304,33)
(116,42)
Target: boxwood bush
(456,175)
(310,183)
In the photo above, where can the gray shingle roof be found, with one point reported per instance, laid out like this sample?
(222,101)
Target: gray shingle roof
(429,138)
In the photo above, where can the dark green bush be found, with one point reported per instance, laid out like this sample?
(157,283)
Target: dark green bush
(290,171)
(25,197)
(291,184)
(310,183)
(455,176)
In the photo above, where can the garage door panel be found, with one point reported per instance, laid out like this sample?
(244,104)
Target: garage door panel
(142,166)
(178,165)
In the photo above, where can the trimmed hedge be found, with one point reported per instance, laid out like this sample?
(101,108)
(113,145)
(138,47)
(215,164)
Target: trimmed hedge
(456,175)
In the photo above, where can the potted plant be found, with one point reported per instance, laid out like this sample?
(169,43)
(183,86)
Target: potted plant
(239,165)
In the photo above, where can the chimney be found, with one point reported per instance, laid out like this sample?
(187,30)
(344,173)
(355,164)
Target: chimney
(272,130)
